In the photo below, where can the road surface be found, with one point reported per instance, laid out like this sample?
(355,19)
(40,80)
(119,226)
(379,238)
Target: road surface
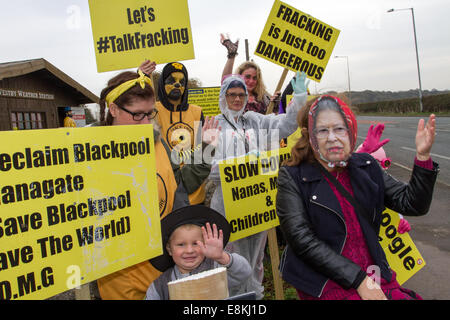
(430,233)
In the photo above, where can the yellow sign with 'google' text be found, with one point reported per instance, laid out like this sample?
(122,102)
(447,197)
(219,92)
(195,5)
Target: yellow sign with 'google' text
(401,252)
(127,32)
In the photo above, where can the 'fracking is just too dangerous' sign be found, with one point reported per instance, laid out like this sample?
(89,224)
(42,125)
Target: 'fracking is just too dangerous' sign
(297,41)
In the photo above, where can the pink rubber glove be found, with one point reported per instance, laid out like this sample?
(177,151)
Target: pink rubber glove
(372,142)
(403,226)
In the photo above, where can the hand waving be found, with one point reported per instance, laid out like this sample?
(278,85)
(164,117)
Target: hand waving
(147,67)
(372,142)
(425,137)
(212,245)
(231,47)
(298,83)
(211,131)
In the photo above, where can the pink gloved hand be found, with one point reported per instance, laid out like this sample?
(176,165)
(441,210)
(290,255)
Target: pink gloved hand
(403,226)
(372,142)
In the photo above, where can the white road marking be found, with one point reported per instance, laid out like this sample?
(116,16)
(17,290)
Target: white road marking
(401,166)
(432,154)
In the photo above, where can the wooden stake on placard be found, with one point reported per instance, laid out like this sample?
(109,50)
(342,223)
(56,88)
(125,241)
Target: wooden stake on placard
(278,88)
(275,262)
(272,234)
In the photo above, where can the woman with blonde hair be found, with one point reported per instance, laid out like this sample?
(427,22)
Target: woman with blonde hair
(258,97)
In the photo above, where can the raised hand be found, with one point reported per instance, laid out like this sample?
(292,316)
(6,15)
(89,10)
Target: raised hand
(211,131)
(298,83)
(147,67)
(231,47)
(425,137)
(212,245)
(372,142)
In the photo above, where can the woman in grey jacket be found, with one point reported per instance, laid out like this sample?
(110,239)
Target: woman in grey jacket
(241,134)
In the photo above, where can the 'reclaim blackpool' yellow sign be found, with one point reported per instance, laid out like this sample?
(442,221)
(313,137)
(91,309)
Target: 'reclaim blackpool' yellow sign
(76,204)
(128,32)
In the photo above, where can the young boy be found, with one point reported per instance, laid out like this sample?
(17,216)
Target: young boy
(192,246)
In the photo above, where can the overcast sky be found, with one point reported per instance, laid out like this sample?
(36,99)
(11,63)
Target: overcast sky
(379,45)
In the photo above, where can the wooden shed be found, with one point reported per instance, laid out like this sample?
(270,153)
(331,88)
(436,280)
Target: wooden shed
(34,94)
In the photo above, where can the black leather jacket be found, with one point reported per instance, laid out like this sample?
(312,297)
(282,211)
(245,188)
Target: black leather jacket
(314,227)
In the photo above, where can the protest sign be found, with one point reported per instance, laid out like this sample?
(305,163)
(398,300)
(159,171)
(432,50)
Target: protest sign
(249,187)
(401,253)
(293,138)
(128,32)
(207,98)
(75,205)
(297,41)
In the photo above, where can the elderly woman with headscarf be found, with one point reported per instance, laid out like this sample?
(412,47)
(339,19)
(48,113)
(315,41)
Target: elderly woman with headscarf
(330,202)
(241,134)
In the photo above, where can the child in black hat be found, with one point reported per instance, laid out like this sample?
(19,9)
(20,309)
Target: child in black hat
(193,242)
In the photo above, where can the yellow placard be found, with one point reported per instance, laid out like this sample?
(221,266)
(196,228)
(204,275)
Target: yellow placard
(249,187)
(297,41)
(401,253)
(127,32)
(207,98)
(76,204)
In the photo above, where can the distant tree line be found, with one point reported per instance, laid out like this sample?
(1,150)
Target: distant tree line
(400,102)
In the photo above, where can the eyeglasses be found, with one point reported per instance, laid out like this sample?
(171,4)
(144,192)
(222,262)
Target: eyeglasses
(234,95)
(323,133)
(138,116)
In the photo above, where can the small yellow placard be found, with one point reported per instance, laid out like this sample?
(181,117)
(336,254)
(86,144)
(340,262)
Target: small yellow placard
(207,98)
(76,204)
(128,32)
(401,253)
(297,41)
(249,187)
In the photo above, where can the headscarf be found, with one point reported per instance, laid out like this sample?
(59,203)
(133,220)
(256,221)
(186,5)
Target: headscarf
(231,82)
(328,102)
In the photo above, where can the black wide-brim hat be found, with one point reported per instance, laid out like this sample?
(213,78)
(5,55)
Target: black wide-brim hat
(195,214)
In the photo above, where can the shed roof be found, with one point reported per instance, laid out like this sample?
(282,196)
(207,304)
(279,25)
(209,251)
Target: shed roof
(47,71)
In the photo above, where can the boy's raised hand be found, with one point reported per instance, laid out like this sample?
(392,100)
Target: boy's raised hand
(212,245)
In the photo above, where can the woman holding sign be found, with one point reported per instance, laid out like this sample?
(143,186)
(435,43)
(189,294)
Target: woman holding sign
(330,202)
(130,99)
(238,137)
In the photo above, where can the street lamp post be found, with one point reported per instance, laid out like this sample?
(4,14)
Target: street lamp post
(417,54)
(348,78)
